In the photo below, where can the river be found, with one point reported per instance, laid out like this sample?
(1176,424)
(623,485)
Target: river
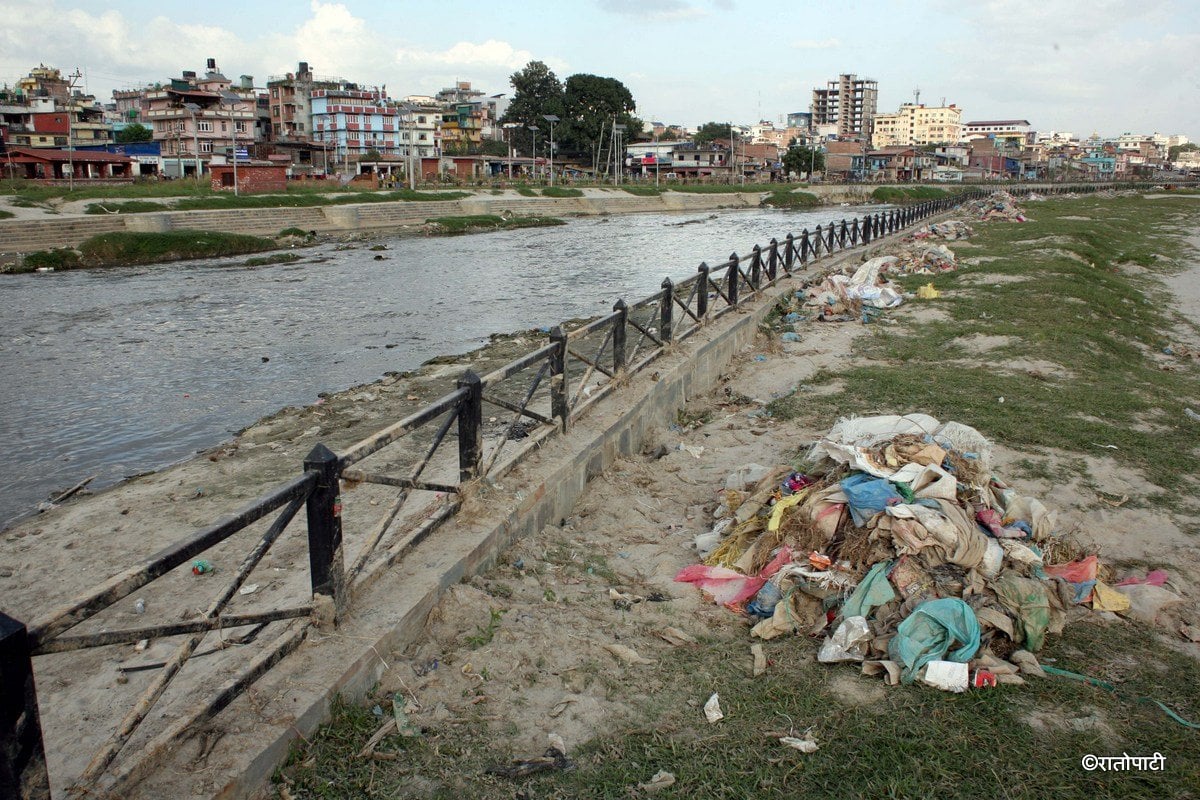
(115,372)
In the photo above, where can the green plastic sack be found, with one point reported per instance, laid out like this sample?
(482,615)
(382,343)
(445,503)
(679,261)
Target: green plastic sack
(873,591)
(1027,599)
(928,633)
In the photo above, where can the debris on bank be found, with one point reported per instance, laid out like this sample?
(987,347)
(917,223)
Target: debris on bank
(900,547)
(996,206)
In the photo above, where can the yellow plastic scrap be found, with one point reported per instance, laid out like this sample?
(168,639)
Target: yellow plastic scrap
(782,506)
(927,292)
(1106,598)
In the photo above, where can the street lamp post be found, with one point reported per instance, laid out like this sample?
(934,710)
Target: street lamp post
(510,126)
(192,108)
(233,100)
(534,128)
(551,118)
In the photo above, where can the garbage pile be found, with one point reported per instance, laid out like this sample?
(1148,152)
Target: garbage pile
(855,291)
(949,230)
(900,545)
(924,258)
(998,205)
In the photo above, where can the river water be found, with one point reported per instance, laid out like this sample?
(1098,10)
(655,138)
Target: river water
(115,372)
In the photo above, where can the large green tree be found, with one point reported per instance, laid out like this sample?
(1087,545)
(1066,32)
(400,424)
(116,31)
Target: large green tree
(803,160)
(537,92)
(134,132)
(1174,150)
(593,105)
(711,131)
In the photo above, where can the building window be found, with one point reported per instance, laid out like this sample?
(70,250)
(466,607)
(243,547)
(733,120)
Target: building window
(206,147)
(275,92)
(203,126)
(241,127)
(299,126)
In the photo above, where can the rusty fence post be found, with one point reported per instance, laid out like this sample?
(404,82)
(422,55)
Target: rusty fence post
(22,753)
(666,311)
(470,427)
(618,338)
(324,513)
(702,292)
(559,406)
(733,279)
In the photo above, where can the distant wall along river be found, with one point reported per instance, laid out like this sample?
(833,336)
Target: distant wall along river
(119,371)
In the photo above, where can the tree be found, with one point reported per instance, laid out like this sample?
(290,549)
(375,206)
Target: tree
(1174,150)
(710,131)
(801,160)
(492,147)
(134,132)
(592,104)
(537,92)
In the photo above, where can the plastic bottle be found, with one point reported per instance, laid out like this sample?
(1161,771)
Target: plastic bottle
(763,604)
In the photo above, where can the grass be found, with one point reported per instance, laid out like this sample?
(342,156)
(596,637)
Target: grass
(1064,296)
(128,207)
(789,199)
(644,191)
(561,191)
(725,188)
(526,191)
(292,231)
(274,258)
(120,248)
(6,214)
(476,223)
(900,742)
(896,194)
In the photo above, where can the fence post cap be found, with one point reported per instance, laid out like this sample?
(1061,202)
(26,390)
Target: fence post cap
(469,378)
(668,283)
(620,305)
(320,455)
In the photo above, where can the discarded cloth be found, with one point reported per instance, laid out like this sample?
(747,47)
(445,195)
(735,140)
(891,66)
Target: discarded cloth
(729,587)
(873,591)
(1080,574)
(929,632)
(1027,599)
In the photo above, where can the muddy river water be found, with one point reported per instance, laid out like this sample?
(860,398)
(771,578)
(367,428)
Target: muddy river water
(115,372)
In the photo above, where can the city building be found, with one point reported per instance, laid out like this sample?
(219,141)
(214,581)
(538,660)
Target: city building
(1017,132)
(848,103)
(198,117)
(845,160)
(349,123)
(918,125)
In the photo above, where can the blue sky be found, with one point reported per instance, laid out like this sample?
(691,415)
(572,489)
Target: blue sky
(1106,65)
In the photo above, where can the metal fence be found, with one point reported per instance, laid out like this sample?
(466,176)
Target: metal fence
(543,392)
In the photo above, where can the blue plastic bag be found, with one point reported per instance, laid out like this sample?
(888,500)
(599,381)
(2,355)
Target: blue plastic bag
(868,495)
(928,633)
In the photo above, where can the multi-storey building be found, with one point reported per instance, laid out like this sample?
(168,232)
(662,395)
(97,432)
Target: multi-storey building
(350,122)
(1014,131)
(196,117)
(420,127)
(849,103)
(917,124)
(289,99)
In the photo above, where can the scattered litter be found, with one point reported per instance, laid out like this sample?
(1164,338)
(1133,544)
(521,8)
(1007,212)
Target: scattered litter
(202,567)
(760,659)
(949,676)
(1192,415)
(551,760)
(712,709)
(805,745)
(661,780)
(928,292)
(676,637)
(790,336)
(139,606)
(695,450)
(248,589)
(626,654)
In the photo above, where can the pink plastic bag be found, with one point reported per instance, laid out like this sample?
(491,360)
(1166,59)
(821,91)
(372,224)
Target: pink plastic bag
(1154,578)
(728,587)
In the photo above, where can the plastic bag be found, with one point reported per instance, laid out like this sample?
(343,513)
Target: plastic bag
(1080,574)
(929,632)
(848,642)
(868,496)
(873,591)
(1027,599)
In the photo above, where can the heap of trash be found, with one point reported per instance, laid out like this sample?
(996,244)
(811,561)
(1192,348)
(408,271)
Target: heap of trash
(900,546)
(998,205)
(924,258)
(948,230)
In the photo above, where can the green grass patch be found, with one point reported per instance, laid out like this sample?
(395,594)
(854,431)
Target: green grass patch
(306,200)
(789,199)
(897,194)
(644,191)
(561,191)
(1067,334)
(127,207)
(112,249)
(725,188)
(526,191)
(6,214)
(874,741)
(57,259)
(479,223)
(293,231)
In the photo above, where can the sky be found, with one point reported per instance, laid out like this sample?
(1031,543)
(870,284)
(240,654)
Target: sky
(1106,66)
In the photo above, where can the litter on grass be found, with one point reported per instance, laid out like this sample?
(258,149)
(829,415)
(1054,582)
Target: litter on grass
(900,546)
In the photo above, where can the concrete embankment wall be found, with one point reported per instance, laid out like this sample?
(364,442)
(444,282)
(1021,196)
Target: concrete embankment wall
(23,235)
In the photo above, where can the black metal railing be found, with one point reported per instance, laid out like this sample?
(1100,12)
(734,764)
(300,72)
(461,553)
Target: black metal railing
(543,393)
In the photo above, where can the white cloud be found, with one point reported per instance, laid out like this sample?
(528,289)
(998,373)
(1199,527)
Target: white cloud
(658,10)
